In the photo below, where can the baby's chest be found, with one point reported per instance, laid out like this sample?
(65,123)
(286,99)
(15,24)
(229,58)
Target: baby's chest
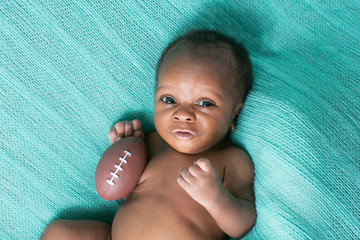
(163,169)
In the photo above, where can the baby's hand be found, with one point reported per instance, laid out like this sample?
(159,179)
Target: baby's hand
(202,182)
(125,129)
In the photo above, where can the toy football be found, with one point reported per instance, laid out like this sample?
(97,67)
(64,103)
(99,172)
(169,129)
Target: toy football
(120,167)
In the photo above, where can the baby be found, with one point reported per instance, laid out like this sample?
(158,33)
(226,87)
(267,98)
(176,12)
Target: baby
(197,184)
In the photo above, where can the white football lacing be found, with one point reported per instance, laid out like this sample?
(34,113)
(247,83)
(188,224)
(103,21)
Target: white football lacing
(118,168)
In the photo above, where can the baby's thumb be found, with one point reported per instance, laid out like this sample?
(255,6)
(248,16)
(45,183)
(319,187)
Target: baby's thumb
(139,134)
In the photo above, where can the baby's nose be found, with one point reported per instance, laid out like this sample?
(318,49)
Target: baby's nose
(183,115)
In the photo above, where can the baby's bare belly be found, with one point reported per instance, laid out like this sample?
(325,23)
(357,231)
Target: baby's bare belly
(156,213)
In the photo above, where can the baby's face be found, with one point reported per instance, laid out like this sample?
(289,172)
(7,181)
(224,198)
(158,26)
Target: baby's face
(194,103)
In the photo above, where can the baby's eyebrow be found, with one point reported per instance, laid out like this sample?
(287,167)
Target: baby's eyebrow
(211,95)
(209,90)
(161,87)
(164,86)
(214,93)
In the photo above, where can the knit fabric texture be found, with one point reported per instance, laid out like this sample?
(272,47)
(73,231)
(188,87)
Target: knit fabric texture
(70,69)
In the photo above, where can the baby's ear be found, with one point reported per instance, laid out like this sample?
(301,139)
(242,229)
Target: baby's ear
(236,113)
(238,109)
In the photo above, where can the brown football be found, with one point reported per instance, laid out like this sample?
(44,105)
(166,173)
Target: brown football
(120,167)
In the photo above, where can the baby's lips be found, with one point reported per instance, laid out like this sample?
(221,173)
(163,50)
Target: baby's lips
(183,134)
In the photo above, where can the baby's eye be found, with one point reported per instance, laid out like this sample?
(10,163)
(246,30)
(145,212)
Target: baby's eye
(168,100)
(205,103)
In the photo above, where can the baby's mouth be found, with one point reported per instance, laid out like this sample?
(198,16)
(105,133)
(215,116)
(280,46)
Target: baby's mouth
(183,134)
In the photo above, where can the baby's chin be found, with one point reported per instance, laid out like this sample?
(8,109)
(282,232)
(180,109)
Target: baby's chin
(190,149)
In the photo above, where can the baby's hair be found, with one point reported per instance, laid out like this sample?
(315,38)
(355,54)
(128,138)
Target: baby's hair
(200,42)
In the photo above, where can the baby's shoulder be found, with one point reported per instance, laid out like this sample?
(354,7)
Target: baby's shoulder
(236,155)
(239,173)
(238,163)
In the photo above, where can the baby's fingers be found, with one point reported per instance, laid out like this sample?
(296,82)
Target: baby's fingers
(137,129)
(120,130)
(205,165)
(184,178)
(125,129)
(129,129)
(112,134)
(136,123)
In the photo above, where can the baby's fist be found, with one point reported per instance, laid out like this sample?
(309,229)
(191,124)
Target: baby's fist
(202,182)
(125,129)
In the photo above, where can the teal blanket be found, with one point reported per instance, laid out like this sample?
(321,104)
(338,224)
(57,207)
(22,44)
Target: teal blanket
(70,69)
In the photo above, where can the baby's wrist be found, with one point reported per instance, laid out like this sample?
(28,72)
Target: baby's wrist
(217,202)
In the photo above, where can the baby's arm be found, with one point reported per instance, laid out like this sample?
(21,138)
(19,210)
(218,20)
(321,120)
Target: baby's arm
(76,230)
(125,129)
(230,204)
